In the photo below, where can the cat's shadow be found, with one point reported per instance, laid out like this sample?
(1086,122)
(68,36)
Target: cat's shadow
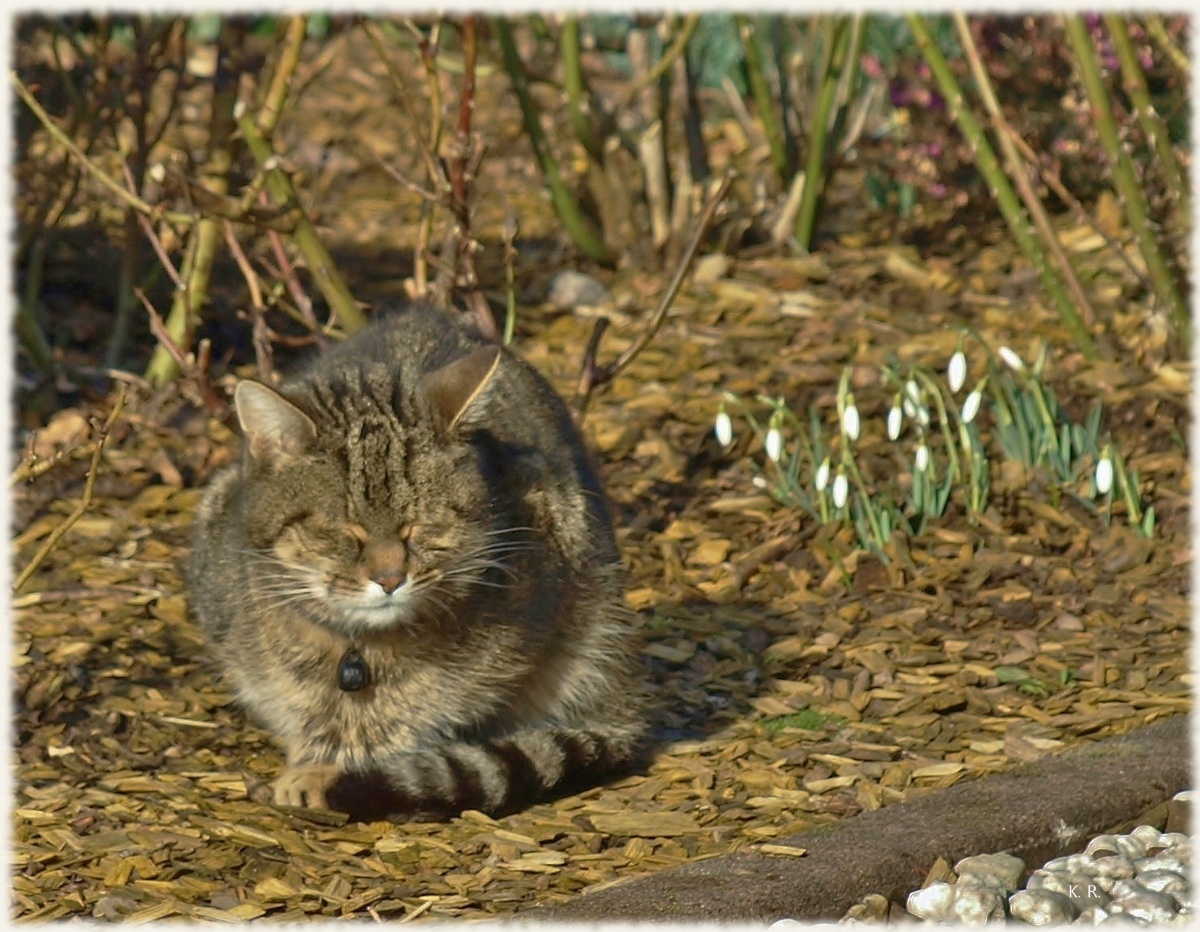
(713,688)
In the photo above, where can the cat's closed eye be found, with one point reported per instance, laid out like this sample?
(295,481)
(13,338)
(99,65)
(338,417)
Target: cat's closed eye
(356,532)
(297,518)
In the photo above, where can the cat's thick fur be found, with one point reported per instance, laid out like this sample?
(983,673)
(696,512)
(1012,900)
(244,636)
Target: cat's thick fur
(422,497)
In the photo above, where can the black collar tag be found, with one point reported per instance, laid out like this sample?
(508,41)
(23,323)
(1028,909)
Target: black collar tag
(352,672)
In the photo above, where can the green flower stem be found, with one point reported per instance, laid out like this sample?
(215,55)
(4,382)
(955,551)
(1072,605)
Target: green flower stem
(943,420)
(1006,420)
(1006,199)
(864,496)
(1034,388)
(1128,489)
(1137,212)
(802,436)
(976,466)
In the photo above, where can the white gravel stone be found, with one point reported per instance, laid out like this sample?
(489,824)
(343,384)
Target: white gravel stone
(979,906)
(1167,861)
(570,289)
(933,902)
(1138,879)
(1079,888)
(1145,905)
(1002,871)
(1042,907)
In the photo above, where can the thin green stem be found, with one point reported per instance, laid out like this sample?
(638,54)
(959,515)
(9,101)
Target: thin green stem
(85,501)
(122,193)
(943,421)
(584,234)
(1006,199)
(205,236)
(1005,134)
(663,64)
(1177,56)
(818,135)
(579,98)
(1137,211)
(864,496)
(1152,124)
(764,100)
(325,273)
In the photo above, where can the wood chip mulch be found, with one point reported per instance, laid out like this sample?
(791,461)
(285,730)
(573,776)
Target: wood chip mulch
(800,681)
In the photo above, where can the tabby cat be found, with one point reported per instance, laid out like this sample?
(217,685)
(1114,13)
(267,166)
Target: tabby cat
(411,579)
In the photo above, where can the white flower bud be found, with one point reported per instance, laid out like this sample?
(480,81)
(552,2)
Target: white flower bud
(1011,359)
(971,405)
(840,489)
(774,444)
(922,416)
(913,390)
(922,458)
(1104,475)
(724,428)
(910,409)
(894,421)
(822,479)
(956,372)
(759,482)
(850,423)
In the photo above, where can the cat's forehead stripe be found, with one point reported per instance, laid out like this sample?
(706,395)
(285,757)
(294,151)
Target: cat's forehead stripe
(372,439)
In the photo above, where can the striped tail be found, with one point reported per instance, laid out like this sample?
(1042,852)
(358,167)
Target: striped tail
(498,776)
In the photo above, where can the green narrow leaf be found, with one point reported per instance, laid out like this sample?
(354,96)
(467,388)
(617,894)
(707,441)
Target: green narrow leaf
(876,191)
(1093,423)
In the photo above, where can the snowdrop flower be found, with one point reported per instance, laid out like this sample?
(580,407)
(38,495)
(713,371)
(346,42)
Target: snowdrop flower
(910,409)
(971,405)
(894,421)
(922,458)
(850,423)
(913,390)
(774,444)
(759,482)
(724,428)
(823,475)
(1104,474)
(922,417)
(840,489)
(956,372)
(1011,359)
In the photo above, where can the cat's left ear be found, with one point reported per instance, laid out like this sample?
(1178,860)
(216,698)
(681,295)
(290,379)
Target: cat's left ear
(452,389)
(274,428)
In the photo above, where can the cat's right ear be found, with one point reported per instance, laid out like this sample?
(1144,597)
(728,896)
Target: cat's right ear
(452,389)
(274,428)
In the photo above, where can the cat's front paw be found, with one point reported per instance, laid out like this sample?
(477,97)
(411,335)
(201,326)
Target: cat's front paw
(305,785)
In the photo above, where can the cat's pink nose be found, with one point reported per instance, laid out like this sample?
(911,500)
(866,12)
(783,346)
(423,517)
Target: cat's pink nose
(389,582)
